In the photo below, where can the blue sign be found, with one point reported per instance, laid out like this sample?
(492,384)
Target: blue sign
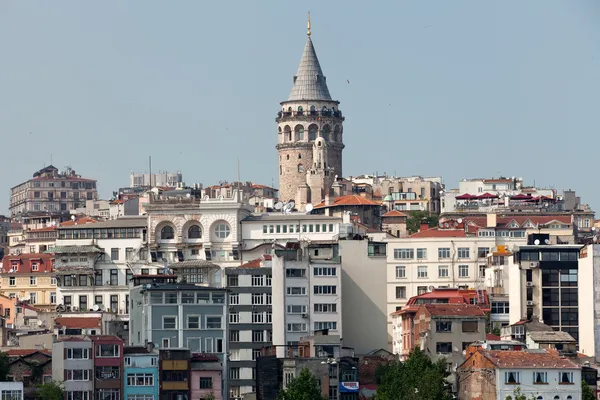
(348,387)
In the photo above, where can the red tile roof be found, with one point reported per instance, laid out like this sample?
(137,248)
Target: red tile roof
(349,200)
(24,263)
(441,233)
(252,264)
(80,221)
(26,352)
(77,322)
(394,213)
(453,310)
(48,229)
(504,221)
(528,359)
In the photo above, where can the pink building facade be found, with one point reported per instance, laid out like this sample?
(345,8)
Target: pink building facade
(206,377)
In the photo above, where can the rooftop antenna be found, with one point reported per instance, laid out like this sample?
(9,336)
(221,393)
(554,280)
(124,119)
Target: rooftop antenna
(150,169)
(308,32)
(239,181)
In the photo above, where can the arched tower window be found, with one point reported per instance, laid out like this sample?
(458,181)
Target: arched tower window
(300,108)
(287,157)
(299,129)
(299,156)
(312,132)
(336,134)
(287,133)
(325,132)
(300,168)
(194,232)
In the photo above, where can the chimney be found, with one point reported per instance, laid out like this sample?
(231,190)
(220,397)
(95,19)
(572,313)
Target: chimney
(327,201)
(491,220)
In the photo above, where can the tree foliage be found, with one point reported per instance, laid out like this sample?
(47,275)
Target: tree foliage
(587,393)
(49,391)
(418,378)
(518,395)
(303,387)
(415,218)
(4,366)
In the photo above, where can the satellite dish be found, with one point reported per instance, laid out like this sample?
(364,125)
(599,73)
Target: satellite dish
(188,195)
(536,242)
(73,218)
(96,307)
(292,203)
(206,197)
(459,220)
(547,241)
(288,207)
(447,225)
(278,205)
(431,288)
(309,208)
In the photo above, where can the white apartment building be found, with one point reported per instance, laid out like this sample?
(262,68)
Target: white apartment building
(306,293)
(95,261)
(164,179)
(589,293)
(444,257)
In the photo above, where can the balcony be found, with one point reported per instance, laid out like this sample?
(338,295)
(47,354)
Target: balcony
(175,365)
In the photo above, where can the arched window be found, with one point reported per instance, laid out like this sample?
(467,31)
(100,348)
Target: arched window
(287,157)
(222,230)
(325,132)
(557,397)
(313,110)
(300,108)
(287,133)
(194,232)
(299,129)
(167,233)
(300,169)
(299,156)
(312,132)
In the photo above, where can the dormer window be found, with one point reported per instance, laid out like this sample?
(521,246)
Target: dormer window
(34,266)
(15,266)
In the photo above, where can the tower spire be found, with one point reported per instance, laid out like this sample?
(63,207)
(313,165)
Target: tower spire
(308,32)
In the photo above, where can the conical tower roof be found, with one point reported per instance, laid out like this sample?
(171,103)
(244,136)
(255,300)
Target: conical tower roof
(309,82)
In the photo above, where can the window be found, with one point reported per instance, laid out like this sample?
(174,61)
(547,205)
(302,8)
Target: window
(129,253)
(500,307)
(421,290)
(422,271)
(324,271)
(296,309)
(82,303)
(234,318)
(565,377)
(233,280)
(470,326)
(167,233)
(34,266)
(11,281)
(296,327)
(463,252)
(443,252)
(52,297)
(268,280)
(400,272)
(482,271)
(400,292)
(114,277)
(296,291)
(114,254)
(463,271)
(325,289)
(268,298)
(108,372)
(540,377)
(213,322)
(78,354)
(258,317)
(295,272)
(169,322)
(193,322)
(257,299)
(32,281)
(78,375)
(421,254)
(83,280)
(107,350)
(443,326)
(326,325)
(77,395)
(300,169)
(194,232)
(33,298)
(234,299)
(222,231)
(482,252)
(206,382)
(442,271)
(140,380)
(234,373)
(443,347)
(258,336)
(325,308)
(404,254)
(257,280)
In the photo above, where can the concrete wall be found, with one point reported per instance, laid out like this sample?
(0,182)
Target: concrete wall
(589,298)
(364,301)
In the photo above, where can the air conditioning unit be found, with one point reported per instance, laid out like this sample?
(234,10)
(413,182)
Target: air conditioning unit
(304,315)
(534,264)
(530,303)
(529,284)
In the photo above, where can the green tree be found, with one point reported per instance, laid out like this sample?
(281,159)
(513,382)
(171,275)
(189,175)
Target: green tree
(50,391)
(587,393)
(4,366)
(415,218)
(304,387)
(517,395)
(418,378)
(210,396)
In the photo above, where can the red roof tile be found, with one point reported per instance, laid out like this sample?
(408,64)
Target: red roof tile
(23,263)
(349,200)
(442,233)
(394,213)
(528,359)
(252,264)
(80,221)
(48,229)
(453,310)
(26,352)
(77,322)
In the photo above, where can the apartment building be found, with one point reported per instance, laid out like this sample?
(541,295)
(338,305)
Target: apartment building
(307,292)
(73,364)
(29,278)
(184,226)
(589,292)
(206,377)
(174,371)
(250,321)
(94,262)
(51,191)
(547,285)
(140,373)
(161,179)
(108,367)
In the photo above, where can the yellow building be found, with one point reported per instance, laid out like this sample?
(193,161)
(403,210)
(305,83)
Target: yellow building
(29,277)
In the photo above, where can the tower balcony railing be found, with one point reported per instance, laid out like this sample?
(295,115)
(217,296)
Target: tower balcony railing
(313,114)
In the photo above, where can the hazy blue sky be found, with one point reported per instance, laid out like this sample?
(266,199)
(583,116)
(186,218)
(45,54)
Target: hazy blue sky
(451,88)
